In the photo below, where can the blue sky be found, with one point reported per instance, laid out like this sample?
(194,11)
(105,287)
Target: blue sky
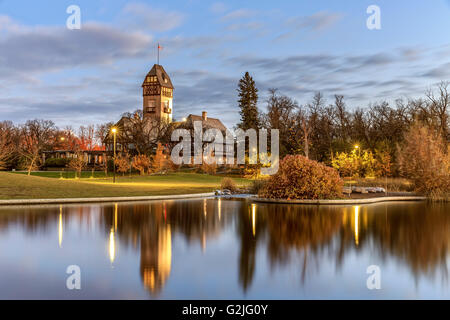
(93,75)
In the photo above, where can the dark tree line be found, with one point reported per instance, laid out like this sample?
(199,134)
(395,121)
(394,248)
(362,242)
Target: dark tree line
(319,129)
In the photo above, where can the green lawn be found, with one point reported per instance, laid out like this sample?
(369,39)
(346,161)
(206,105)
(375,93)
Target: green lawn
(45,185)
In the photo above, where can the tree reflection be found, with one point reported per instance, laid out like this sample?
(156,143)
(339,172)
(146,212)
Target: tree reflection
(151,227)
(416,234)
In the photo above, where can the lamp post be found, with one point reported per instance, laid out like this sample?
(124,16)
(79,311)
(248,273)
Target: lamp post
(357,148)
(114,131)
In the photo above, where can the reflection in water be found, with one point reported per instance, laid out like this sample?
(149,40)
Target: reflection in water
(60,227)
(112,246)
(416,235)
(356,222)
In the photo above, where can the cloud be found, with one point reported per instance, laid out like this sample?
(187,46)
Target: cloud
(316,22)
(382,75)
(29,50)
(144,17)
(218,7)
(253,25)
(439,73)
(238,14)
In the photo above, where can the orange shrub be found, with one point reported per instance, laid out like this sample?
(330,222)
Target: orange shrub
(141,162)
(425,159)
(301,178)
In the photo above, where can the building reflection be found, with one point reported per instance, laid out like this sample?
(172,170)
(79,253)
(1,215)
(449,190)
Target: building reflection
(416,234)
(149,228)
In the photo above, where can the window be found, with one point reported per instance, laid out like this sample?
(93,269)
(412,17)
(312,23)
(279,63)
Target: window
(167,92)
(151,107)
(166,107)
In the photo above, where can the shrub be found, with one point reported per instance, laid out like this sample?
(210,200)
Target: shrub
(208,168)
(228,183)
(356,164)
(78,164)
(141,163)
(424,158)
(160,162)
(301,178)
(256,186)
(122,163)
(56,162)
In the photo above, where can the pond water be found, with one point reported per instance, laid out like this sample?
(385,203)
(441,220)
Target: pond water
(225,249)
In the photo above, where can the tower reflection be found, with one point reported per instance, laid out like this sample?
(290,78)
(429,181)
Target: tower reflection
(417,235)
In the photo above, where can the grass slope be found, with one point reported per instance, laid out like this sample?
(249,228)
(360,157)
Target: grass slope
(19,186)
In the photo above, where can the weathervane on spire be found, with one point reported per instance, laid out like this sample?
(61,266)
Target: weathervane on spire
(159,48)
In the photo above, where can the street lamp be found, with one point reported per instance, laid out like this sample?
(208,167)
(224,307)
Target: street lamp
(357,148)
(114,131)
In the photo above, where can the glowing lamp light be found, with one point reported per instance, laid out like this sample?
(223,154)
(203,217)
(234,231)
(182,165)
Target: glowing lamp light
(114,130)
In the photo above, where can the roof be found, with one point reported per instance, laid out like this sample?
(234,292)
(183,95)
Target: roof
(208,124)
(163,77)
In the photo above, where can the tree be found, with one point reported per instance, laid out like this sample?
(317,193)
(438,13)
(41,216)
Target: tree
(102,131)
(7,146)
(248,99)
(440,107)
(122,163)
(424,158)
(86,136)
(160,163)
(77,164)
(383,163)
(142,133)
(281,115)
(141,163)
(36,136)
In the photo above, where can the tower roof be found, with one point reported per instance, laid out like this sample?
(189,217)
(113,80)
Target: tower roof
(161,75)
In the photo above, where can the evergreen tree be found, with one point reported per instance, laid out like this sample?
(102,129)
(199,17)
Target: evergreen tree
(248,98)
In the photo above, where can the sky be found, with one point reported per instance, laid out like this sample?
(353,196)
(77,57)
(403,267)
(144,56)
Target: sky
(94,74)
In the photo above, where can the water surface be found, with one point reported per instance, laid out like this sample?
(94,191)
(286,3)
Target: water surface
(225,249)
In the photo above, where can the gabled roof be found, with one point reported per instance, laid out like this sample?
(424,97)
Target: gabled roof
(162,76)
(208,124)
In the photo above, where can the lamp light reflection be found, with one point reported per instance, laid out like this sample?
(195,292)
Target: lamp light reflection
(112,246)
(356,225)
(219,206)
(60,228)
(115,216)
(254,218)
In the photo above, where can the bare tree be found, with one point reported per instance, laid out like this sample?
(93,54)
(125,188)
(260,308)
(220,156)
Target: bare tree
(102,131)
(141,133)
(7,147)
(86,136)
(36,136)
(77,163)
(439,107)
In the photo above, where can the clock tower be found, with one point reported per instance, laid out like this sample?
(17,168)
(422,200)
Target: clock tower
(157,90)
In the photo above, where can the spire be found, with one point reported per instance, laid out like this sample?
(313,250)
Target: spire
(159,48)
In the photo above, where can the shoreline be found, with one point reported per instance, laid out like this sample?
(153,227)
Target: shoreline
(206,195)
(340,201)
(103,199)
